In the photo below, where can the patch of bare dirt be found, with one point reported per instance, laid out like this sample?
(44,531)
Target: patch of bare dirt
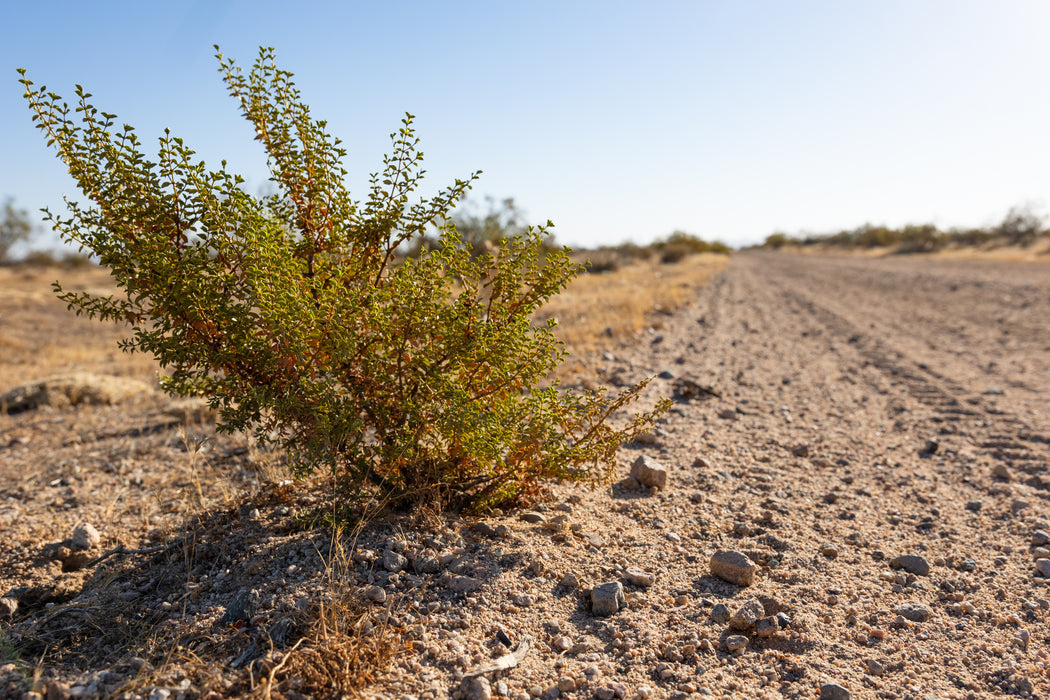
(872,435)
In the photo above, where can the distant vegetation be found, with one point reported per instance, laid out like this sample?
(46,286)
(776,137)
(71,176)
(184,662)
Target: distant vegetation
(1020,227)
(15,227)
(672,249)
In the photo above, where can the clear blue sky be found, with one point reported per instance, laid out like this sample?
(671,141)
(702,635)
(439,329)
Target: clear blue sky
(617,120)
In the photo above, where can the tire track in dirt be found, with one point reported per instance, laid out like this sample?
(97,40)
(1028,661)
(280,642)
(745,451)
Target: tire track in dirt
(957,409)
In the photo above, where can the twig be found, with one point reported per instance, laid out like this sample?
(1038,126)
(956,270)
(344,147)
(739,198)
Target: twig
(122,550)
(505,662)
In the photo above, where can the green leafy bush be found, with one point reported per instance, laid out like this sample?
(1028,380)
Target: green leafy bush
(420,379)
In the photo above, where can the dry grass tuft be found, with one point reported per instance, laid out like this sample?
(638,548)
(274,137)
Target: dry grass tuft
(599,310)
(349,643)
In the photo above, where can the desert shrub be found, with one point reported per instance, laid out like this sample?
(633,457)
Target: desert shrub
(1020,226)
(675,253)
(420,379)
(599,263)
(49,258)
(632,252)
(680,244)
(776,241)
(15,227)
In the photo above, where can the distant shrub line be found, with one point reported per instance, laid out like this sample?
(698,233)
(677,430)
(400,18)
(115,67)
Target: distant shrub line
(675,248)
(1020,227)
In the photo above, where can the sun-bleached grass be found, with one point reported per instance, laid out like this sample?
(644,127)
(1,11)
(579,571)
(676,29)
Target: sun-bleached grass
(599,311)
(40,338)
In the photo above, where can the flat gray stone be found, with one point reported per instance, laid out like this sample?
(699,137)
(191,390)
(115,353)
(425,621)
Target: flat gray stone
(607,599)
(911,563)
(394,562)
(913,611)
(463,584)
(733,567)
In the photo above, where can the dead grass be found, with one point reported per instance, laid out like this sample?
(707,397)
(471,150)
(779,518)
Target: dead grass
(40,338)
(1037,252)
(349,644)
(598,311)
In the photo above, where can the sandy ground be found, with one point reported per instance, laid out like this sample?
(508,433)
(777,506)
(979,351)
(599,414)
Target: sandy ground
(860,410)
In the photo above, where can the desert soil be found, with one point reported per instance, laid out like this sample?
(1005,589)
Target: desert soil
(876,439)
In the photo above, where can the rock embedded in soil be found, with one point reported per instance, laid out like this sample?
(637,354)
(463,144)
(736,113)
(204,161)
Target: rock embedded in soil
(733,567)
(648,472)
(735,642)
(1043,567)
(913,611)
(463,584)
(533,517)
(720,614)
(607,599)
(375,594)
(747,615)
(911,563)
(767,627)
(8,607)
(1040,538)
(477,688)
(426,564)
(393,561)
(833,691)
(570,580)
(637,577)
(85,536)
(242,609)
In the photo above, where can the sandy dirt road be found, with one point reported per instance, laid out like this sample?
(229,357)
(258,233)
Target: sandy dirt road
(871,409)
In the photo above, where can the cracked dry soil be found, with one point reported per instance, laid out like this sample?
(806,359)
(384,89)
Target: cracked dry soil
(863,410)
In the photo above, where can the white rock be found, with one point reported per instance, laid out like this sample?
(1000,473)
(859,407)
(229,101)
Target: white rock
(648,472)
(86,536)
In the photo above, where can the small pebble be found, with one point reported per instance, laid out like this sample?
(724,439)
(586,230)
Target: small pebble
(720,614)
(913,611)
(912,563)
(736,642)
(637,577)
(733,567)
(85,536)
(747,614)
(767,627)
